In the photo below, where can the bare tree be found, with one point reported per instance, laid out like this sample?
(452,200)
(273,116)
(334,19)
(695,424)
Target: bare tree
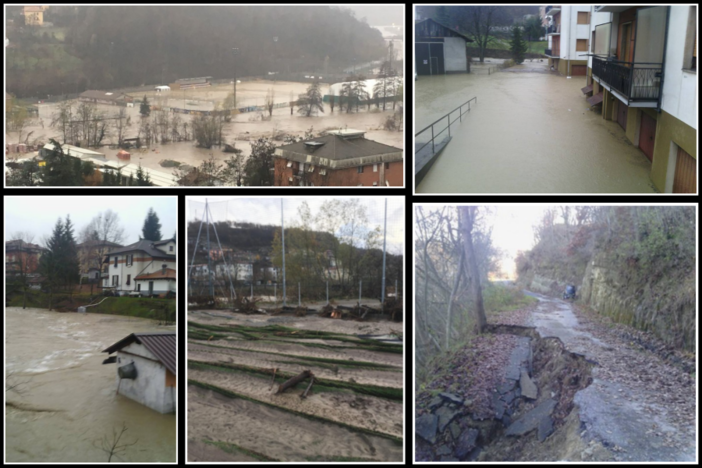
(111,446)
(121,123)
(18,121)
(270,101)
(103,230)
(478,22)
(466,219)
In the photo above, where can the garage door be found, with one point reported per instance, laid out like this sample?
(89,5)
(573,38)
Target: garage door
(430,58)
(622,112)
(647,137)
(685,173)
(578,70)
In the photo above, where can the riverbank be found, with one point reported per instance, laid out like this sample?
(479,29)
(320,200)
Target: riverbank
(155,309)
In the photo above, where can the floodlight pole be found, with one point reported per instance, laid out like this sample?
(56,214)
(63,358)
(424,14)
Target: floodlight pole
(385,233)
(282,229)
(209,257)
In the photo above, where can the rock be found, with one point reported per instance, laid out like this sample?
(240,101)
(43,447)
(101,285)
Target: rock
(435,403)
(446,415)
(545,428)
(474,454)
(506,386)
(498,405)
(426,427)
(528,387)
(466,443)
(450,397)
(449,459)
(532,419)
(509,397)
(444,450)
(506,420)
(455,429)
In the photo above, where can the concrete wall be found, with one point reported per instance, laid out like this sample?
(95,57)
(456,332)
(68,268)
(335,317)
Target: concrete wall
(455,54)
(679,87)
(149,387)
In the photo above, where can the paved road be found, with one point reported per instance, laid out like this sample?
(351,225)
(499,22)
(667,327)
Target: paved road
(615,413)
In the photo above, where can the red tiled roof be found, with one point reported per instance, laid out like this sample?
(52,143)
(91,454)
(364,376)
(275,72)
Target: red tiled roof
(170,274)
(162,345)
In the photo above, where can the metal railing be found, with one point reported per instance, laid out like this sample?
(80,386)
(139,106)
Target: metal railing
(554,28)
(548,51)
(448,119)
(635,80)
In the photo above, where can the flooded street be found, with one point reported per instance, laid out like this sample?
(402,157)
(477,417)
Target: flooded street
(66,399)
(530,132)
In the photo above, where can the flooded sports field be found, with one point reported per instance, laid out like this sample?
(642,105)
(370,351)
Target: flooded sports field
(352,412)
(530,132)
(64,399)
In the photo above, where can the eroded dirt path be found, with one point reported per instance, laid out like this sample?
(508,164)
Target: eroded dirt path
(638,407)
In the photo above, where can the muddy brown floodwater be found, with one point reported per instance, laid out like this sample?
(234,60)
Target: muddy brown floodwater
(530,132)
(67,399)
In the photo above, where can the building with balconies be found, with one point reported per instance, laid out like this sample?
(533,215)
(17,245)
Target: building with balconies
(643,70)
(567,37)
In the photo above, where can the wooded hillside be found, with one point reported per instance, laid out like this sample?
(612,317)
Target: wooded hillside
(131,46)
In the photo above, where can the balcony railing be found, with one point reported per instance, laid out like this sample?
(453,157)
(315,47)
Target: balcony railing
(548,52)
(636,80)
(548,8)
(553,29)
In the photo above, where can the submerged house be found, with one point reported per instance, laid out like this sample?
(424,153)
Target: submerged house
(146,369)
(127,269)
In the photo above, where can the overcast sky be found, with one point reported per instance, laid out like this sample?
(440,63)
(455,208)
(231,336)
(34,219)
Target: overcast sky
(267,211)
(38,215)
(378,15)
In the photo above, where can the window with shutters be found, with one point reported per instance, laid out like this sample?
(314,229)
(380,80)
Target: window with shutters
(581,45)
(583,17)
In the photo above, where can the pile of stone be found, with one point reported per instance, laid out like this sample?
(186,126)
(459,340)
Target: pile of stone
(447,427)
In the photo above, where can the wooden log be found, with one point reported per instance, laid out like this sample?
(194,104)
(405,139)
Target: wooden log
(304,394)
(294,381)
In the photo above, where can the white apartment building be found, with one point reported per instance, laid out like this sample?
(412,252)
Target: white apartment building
(568,36)
(644,72)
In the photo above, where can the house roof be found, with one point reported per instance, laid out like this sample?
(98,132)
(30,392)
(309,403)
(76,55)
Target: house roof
(162,345)
(20,244)
(170,274)
(33,9)
(146,246)
(107,95)
(97,243)
(453,31)
(164,241)
(337,152)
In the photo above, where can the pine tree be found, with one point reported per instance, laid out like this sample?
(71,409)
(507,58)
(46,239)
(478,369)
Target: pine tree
(70,267)
(152,227)
(442,15)
(145,109)
(50,261)
(517,46)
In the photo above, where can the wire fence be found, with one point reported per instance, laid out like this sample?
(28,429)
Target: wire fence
(295,251)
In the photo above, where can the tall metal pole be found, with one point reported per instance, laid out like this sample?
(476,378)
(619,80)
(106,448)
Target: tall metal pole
(235,51)
(282,229)
(299,301)
(327,292)
(360,288)
(385,233)
(209,256)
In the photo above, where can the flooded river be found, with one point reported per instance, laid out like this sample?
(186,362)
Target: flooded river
(66,400)
(530,132)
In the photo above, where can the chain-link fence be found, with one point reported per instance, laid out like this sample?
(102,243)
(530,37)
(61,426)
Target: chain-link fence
(338,250)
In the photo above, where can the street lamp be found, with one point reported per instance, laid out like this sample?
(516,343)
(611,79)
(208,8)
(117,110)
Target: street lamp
(235,51)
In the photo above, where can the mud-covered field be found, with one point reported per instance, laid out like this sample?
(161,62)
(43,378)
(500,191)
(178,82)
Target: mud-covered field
(353,412)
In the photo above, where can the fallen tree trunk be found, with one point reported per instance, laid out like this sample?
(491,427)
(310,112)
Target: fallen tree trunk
(304,394)
(294,381)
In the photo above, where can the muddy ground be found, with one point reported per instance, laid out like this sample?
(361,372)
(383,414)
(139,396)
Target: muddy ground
(354,410)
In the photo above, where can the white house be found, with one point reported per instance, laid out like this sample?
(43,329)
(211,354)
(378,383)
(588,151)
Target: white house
(124,265)
(146,369)
(239,271)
